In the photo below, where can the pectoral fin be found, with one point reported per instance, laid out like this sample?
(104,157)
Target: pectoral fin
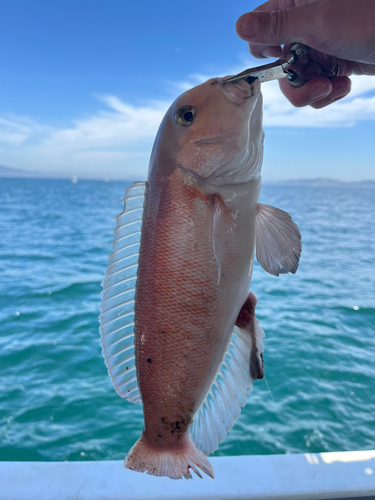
(222,228)
(278,241)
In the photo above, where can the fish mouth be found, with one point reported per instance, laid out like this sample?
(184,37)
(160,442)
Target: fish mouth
(238,92)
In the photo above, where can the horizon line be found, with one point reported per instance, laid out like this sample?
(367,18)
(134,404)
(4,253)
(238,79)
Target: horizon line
(43,176)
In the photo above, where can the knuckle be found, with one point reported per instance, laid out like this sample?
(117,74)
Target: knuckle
(278,21)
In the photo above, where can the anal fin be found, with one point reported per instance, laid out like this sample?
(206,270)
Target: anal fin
(230,388)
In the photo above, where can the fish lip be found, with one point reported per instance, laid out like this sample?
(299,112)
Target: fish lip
(239,92)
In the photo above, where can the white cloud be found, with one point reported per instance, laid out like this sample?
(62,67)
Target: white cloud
(116,140)
(15,130)
(358,106)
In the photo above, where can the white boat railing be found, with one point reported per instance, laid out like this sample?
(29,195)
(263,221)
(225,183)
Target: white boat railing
(321,476)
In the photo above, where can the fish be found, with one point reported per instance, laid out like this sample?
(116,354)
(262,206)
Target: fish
(178,326)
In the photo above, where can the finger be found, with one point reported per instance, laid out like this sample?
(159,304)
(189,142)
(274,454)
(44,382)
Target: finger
(260,51)
(313,90)
(272,28)
(310,70)
(341,87)
(275,5)
(318,92)
(317,24)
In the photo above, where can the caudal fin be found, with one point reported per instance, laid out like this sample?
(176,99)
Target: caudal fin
(169,463)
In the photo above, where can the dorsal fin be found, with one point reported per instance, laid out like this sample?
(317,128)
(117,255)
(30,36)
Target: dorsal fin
(117,306)
(228,392)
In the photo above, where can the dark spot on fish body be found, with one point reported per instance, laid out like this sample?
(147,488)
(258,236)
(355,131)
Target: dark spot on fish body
(149,360)
(159,436)
(178,427)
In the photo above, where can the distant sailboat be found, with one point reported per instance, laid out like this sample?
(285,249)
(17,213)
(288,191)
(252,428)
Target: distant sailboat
(74,179)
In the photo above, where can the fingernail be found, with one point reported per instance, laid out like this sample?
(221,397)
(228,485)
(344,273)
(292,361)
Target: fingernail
(340,96)
(248,25)
(341,91)
(267,53)
(319,92)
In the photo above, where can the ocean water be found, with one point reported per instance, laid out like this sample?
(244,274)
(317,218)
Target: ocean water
(56,399)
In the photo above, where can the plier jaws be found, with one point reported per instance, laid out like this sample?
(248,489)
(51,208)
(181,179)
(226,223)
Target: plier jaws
(276,70)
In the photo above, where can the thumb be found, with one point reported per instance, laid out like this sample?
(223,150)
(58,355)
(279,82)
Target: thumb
(276,27)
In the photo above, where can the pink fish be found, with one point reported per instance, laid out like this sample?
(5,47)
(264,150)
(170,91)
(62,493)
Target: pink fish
(177,320)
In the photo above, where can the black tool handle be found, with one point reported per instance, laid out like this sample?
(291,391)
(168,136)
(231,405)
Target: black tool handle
(294,77)
(299,50)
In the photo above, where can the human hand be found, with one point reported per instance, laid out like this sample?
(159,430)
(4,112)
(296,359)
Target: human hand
(339,32)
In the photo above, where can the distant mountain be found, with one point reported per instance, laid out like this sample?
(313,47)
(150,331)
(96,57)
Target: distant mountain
(29,174)
(16,172)
(19,172)
(324,182)
(318,182)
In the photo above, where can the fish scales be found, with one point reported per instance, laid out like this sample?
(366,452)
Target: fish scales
(184,318)
(187,326)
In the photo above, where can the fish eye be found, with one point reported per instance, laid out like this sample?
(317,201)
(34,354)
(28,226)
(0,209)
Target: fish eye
(185,115)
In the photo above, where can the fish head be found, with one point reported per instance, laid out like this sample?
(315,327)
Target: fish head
(214,133)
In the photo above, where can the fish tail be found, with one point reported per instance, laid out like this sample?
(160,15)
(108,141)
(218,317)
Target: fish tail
(173,463)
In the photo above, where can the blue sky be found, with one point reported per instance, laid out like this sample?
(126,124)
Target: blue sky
(84,85)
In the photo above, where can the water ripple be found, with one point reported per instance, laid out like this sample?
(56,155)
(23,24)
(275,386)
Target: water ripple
(57,402)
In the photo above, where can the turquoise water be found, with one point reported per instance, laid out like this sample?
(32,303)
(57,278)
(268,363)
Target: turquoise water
(56,399)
